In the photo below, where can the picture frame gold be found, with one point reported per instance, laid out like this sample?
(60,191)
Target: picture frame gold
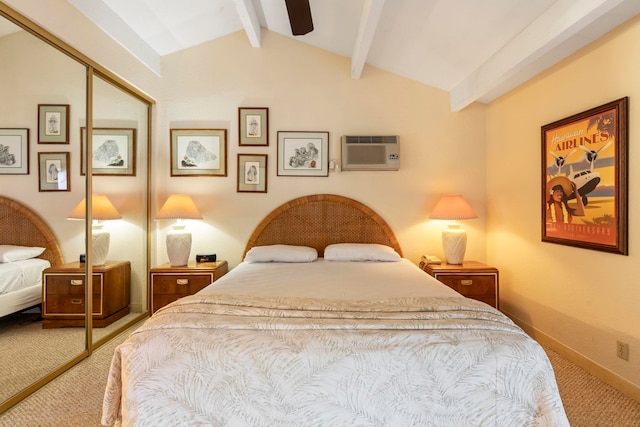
(113,151)
(253,127)
(584,179)
(53,123)
(53,171)
(14,151)
(198,152)
(252,173)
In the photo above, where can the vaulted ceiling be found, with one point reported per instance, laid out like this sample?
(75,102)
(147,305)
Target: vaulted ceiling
(476,50)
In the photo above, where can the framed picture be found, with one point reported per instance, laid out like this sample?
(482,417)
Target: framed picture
(253,126)
(584,179)
(198,152)
(252,173)
(53,171)
(114,151)
(14,151)
(53,124)
(303,153)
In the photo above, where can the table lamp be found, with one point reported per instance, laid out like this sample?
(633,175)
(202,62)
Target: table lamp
(179,207)
(101,209)
(454,238)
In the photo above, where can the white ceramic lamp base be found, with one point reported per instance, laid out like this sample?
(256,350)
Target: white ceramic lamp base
(178,247)
(454,242)
(100,241)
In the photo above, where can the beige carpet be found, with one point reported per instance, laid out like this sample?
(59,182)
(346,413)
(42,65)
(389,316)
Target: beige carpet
(75,398)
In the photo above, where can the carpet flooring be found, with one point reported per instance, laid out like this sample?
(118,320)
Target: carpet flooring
(75,398)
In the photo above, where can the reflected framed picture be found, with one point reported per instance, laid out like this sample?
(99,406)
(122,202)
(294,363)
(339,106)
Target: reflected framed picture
(253,126)
(303,153)
(53,171)
(14,151)
(114,151)
(252,173)
(198,152)
(584,179)
(53,124)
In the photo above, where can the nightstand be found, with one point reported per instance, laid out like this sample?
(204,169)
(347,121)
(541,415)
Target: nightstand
(170,283)
(472,279)
(63,294)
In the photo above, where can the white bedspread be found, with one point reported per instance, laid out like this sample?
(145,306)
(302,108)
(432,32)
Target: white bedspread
(221,359)
(18,275)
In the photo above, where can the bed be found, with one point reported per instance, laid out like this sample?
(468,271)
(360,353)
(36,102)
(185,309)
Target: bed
(21,279)
(354,335)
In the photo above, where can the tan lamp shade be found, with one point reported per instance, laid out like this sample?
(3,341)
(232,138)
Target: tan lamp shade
(454,238)
(101,209)
(179,206)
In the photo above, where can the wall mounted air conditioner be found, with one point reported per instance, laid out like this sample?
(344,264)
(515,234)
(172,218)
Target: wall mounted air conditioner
(370,153)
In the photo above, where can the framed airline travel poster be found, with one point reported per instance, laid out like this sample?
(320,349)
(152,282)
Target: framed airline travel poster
(584,179)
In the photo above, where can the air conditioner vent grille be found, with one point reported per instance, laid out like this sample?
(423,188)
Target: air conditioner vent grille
(392,139)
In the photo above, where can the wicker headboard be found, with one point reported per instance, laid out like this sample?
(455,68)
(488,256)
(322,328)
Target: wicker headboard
(320,220)
(21,226)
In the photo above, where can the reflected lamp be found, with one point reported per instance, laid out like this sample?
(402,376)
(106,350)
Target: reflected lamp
(179,207)
(101,210)
(454,239)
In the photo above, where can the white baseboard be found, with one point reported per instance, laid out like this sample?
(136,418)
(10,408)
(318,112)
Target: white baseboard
(595,369)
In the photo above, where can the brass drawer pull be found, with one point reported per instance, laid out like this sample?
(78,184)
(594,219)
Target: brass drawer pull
(182,281)
(77,282)
(466,282)
(76,301)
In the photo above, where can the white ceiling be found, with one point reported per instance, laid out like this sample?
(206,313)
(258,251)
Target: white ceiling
(476,50)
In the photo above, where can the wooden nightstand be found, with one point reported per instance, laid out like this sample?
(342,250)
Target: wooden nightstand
(63,294)
(472,279)
(170,283)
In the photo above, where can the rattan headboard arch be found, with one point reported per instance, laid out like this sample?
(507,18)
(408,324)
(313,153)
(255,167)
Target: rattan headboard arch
(322,219)
(19,225)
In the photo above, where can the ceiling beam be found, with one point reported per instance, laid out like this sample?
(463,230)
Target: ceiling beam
(105,18)
(250,21)
(561,30)
(371,12)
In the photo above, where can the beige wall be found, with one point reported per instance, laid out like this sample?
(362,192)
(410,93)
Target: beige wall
(308,89)
(582,298)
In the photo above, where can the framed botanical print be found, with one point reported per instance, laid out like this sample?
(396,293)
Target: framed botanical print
(253,126)
(53,124)
(113,151)
(14,151)
(198,152)
(53,171)
(303,153)
(252,173)
(584,179)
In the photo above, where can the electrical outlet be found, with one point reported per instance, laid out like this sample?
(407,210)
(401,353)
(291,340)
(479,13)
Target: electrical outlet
(622,350)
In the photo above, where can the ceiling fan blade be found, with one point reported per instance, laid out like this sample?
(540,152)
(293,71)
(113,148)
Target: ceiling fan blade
(299,16)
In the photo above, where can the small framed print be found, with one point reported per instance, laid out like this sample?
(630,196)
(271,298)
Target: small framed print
(303,153)
(53,171)
(53,124)
(252,173)
(198,152)
(114,151)
(253,126)
(14,151)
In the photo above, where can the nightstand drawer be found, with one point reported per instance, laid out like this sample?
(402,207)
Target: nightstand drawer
(69,284)
(187,284)
(62,305)
(469,285)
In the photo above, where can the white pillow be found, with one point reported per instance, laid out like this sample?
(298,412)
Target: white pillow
(10,253)
(360,252)
(281,253)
